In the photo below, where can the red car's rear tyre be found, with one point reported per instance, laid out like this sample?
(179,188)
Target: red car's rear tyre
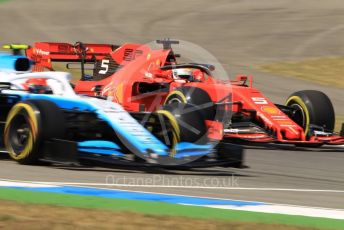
(188,122)
(194,96)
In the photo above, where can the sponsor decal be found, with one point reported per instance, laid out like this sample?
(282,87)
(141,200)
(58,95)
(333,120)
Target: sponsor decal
(285,122)
(259,100)
(270,110)
(41,52)
(279,116)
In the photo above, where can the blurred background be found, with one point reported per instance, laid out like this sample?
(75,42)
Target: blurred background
(247,37)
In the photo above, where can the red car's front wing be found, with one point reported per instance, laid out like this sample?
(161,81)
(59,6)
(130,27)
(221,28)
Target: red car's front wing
(265,138)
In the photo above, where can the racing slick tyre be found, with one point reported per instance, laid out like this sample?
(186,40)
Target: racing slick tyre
(28,125)
(188,124)
(232,154)
(312,108)
(194,96)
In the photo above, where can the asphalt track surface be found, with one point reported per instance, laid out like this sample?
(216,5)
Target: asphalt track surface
(240,34)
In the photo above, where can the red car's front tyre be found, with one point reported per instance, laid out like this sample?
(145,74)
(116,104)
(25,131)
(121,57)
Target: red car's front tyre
(312,108)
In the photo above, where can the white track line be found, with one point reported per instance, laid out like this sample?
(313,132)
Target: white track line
(177,186)
(24,184)
(288,210)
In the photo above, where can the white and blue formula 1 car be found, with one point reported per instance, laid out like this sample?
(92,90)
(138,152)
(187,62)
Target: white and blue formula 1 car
(41,118)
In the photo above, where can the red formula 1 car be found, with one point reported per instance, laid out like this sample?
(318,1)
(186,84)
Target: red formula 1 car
(145,79)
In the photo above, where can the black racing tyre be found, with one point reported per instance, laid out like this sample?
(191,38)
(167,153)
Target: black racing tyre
(230,153)
(312,108)
(194,96)
(28,124)
(187,122)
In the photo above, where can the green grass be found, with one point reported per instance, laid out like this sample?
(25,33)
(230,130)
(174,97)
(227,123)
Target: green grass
(339,122)
(16,215)
(163,209)
(327,71)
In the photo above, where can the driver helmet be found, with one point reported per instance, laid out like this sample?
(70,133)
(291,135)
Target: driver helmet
(183,73)
(38,86)
(198,75)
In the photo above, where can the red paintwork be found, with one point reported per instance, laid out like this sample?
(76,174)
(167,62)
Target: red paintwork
(143,66)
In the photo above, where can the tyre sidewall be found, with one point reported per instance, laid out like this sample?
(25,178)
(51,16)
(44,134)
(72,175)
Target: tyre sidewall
(32,116)
(194,96)
(191,124)
(317,107)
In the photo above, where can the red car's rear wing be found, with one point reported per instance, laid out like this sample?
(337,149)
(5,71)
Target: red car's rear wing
(44,53)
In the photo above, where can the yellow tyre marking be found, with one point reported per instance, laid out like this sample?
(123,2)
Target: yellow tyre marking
(32,134)
(178,93)
(299,100)
(176,130)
